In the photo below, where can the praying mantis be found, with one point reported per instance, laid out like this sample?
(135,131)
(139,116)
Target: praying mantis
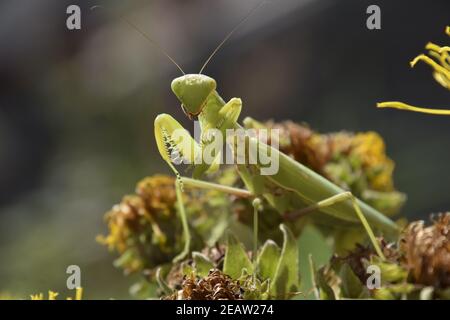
(298,187)
(293,190)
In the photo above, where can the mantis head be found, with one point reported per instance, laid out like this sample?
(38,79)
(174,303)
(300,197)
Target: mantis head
(193,91)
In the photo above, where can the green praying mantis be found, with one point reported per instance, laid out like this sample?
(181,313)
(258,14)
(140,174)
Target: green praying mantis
(294,189)
(297,186)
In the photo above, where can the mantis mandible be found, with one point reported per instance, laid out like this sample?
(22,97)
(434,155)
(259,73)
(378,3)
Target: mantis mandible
(299,190)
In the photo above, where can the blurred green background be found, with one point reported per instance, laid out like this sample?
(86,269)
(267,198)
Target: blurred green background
(77,108)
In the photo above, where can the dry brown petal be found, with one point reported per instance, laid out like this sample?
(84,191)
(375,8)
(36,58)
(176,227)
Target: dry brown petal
(215,286)
(426,251)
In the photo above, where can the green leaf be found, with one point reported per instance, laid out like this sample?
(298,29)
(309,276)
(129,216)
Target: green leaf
(236,259)
(218,227)
(125,259)
(268,260)
(311,242)
(313,274)
(202,264)
(351,285)
(286,280)
(162,284)
(143,290)
(187,269)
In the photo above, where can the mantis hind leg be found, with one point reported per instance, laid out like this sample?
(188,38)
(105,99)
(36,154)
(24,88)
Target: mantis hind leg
(341,197)
(176,144)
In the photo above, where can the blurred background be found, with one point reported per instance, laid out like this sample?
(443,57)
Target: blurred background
(77,107)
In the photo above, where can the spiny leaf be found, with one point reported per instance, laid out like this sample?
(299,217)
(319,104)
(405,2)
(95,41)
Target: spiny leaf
(311,241)
(286,280)
(313,273)
(236,258)
(268,260)
(351,285)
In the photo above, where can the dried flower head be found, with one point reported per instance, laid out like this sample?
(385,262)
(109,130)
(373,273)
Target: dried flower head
(175,276)
(158,192)
(355,161)
(215,286)
(144,228)
(426,251)
(303,144)
(370,148)
(358,258)
(417,263)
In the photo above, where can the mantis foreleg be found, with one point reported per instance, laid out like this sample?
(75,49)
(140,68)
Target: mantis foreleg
(176,144)
(189,182)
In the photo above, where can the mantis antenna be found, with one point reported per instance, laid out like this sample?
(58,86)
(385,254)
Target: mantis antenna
(153,42)
(231,33)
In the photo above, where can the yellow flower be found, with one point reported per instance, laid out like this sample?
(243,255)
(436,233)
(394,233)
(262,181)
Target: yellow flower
(78,294)
(38,296)
(143,227)
(370,147)
(155,197)
(438,58)
(52,295)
